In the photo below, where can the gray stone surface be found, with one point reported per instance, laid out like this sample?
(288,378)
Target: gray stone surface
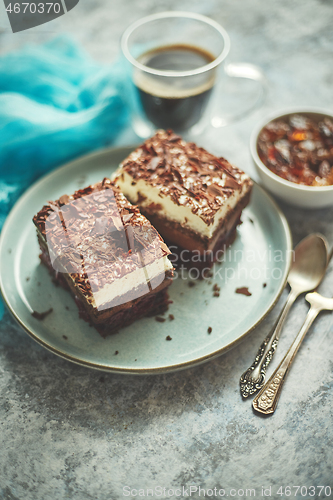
(70,432)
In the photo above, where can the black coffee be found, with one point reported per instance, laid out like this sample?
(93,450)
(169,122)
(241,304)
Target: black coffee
(175,102)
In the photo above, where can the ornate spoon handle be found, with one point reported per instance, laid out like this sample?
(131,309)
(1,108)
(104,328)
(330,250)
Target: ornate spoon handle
(266,401)
(254,377)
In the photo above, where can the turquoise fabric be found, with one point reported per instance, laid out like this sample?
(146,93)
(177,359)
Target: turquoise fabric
(56,103)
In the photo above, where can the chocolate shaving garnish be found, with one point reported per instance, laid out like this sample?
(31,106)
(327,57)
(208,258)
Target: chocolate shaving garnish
(173,137)
(154,162)
(141,197)
(130,237)
(99,238)
(159,319)
(41,316)
(208,274)
(231,183)
(100,225)
(215,190)
(156,207)
(117,222)
(168,338)
(164,247)
(52,217)
(127,217)
(70,210)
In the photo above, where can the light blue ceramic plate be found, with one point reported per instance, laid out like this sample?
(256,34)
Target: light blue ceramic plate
(261,254)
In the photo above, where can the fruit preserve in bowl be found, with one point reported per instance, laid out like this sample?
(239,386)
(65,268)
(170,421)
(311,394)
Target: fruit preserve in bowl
(293,155)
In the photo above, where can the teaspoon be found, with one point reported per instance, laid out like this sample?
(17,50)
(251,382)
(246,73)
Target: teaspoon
(266,401)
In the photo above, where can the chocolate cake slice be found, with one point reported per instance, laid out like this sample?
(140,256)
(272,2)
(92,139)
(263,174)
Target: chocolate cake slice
(99,246)
(193,198)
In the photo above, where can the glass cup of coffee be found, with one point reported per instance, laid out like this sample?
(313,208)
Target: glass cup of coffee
(176,60)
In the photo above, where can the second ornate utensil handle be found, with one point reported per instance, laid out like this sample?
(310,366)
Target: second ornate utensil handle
(266,401)
(254,377)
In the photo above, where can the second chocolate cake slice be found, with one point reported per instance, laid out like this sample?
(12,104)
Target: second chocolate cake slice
(193,198)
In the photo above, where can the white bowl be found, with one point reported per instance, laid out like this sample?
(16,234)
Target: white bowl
(290,192)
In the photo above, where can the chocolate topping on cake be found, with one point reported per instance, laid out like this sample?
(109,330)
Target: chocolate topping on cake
(185,172)
(97,236)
